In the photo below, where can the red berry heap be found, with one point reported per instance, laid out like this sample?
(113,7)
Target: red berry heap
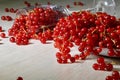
(37,24)
(115,76)
(90,32)
(102,65)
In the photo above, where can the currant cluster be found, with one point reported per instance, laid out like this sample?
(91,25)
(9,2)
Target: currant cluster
(90,32)
(102,65)
(37,24)
(114,76)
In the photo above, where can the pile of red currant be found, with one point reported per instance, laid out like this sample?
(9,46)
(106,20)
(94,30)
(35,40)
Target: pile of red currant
(91,32)
(37,24)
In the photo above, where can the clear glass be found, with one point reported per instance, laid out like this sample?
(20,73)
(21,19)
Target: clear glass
(107,6)
(24,11)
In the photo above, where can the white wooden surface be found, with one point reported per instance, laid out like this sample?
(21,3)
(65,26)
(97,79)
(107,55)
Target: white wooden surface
(37,61)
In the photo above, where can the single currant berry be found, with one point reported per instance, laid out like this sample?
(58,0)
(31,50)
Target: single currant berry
(26,2)
(8,18)
(76,57)
(6,10)
(109,67)
(3,18)
(48,3)
(72,59)
(12,39)
(12,10)
(116,74)
(59,60)
(95,66)
(109,78)
(67,6)
(58,55)
(75,3)
(100,60)
(3,35)
(19,78)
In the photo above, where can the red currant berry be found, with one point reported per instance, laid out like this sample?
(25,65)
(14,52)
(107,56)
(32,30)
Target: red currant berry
(116,74)
(95,66)
(109,67)
(100,60)
(72,59)
(67,6)
(109,78)
(12,39)
(19,78)
(3,35)
(6,10)
(3,18)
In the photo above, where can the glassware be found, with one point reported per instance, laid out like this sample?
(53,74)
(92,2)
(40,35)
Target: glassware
(107,6)
(25,10)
